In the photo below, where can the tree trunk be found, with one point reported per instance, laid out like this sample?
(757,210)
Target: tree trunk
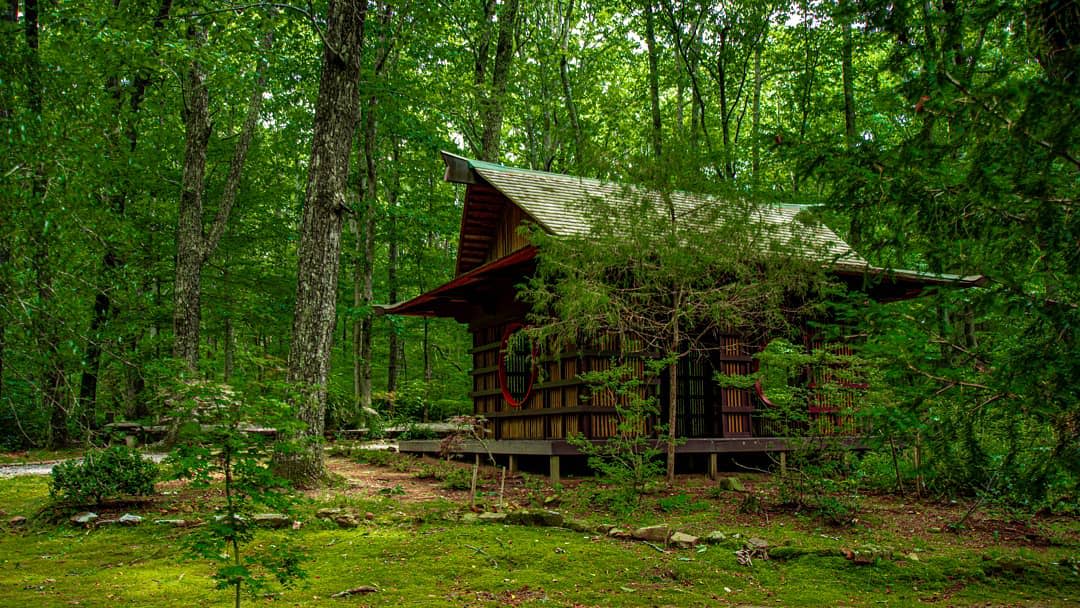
(755,154)
(654,80)
(396,345)
(848,75)
(189,229)
(492,110)
(193,246)
(673,386)
(336,116)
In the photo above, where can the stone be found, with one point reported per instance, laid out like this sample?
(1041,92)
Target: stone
(127,519)
(618,533)
(552,501)
(682,540)
(730,484)
(369,516)
(469,518)
(714,537)
(578,526)
(327,513)
(655,534)
(491,517)
(271,520)
(345,520)
(17,521)
(551,519)
(84,519)
(757,544)
(174,523)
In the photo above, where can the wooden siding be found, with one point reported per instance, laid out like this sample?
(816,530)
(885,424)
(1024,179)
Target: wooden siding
(507,238)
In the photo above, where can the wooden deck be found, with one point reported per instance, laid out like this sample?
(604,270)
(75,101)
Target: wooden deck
(554,449)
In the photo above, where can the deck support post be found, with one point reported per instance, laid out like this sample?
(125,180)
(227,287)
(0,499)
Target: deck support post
(713,465)
(553,469)
(512,464)
(783,464)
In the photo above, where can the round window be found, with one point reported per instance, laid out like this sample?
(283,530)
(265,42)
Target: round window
(517,367)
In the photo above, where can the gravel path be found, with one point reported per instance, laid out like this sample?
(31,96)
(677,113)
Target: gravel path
(44,468)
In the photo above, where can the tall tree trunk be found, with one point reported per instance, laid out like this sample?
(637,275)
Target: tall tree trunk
(755,151)
(337,112)
(492,110)
(568,97)
(193,246)
(654,80)
(848,74)
(187,288)
(396,345)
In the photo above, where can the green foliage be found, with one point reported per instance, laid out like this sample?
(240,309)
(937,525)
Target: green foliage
(216,438)
(818,483)
(110,473)
(682,503)
(457,478)
(630,459)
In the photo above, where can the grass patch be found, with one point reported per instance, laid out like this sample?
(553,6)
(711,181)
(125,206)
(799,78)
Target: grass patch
(419,554)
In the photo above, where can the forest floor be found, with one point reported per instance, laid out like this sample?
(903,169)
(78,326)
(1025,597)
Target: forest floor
(415,544)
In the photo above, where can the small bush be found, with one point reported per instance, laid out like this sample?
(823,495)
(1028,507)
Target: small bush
(458,479)
(116,471)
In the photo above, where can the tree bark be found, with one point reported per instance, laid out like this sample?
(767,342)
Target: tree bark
(654,80)
(337,112)
(193,246)
(396,345)
(492,107)
(848,75)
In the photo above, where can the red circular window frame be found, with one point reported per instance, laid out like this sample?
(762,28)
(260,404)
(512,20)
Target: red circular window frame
(510,330)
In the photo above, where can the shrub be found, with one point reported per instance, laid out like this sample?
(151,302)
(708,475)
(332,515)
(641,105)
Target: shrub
(109,473)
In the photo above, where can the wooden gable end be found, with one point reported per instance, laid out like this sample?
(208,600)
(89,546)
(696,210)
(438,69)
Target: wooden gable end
(489,227)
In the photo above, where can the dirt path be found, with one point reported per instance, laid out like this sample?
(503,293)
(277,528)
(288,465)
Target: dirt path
(45,468)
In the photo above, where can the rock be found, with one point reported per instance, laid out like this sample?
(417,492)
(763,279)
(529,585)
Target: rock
(730,484)
(271,520)
(757,544)
(603,528)
(491,517)
(552,501)
(617,533)
(682,540)
(578,526)
(866,554)
(369,516)
(551,519)
(127,519)
(84,519)
(912,556)
(327,513)
(17,522)
(175,523)
(655,534)
(714,537)
(345,520)
(469,518)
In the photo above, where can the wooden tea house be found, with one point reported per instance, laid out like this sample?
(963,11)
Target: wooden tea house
(532,404)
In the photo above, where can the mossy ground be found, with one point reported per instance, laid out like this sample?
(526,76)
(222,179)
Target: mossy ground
(417,552)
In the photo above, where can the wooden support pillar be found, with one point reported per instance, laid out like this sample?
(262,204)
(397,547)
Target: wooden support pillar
(713,465)
(783,464)
(512,464)
(553,469)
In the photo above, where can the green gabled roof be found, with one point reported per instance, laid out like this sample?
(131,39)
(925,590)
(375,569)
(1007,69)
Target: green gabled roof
(558,203)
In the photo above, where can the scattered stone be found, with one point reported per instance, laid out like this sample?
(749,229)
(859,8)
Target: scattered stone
(17,522)
(617,533)
(603,529)
(730,484)
(271,520)
(715,537)
(682,540)
(934,530)
(327,513)
(551,519)
(552,501)
(369,516)
(491,517)
(345,520)
(127,519)
(913,556)
(175,523)
(866,554)
(655,534)
(469,518)
(579,526)
(84,519)
(757,544)
(363,589)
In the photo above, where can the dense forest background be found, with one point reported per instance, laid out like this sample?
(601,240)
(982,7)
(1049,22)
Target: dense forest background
(155,156)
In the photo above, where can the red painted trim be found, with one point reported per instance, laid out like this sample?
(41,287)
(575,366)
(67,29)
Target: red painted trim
(416,305)
(514,403)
